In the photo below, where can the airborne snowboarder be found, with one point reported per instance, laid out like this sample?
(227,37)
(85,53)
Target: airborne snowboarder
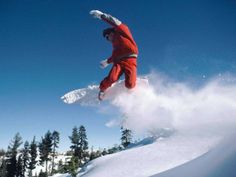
(124,54)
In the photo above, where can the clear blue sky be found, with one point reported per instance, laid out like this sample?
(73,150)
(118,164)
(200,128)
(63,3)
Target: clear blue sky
(48,47)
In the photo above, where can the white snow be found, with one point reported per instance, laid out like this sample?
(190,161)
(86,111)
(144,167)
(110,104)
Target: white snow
(84,96)
(219,162)
(60,157)
(149,159)
(192,123)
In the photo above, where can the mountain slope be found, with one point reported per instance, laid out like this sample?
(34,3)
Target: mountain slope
(218,162)
(150,159)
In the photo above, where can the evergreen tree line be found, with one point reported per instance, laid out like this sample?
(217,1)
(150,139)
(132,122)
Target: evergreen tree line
(20,162)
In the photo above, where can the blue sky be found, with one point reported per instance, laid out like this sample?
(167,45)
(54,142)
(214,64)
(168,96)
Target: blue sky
(49,47)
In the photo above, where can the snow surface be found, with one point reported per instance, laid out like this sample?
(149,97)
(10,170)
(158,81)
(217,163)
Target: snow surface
(171,157)
(149,159)
(189,123)
(61,157)
(219,162)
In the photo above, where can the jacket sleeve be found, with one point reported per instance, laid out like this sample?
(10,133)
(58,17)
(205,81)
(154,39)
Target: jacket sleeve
(113,57)
(110,20)
(110,60)
(117,24)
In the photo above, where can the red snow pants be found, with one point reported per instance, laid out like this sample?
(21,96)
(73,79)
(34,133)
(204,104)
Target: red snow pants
(127,66)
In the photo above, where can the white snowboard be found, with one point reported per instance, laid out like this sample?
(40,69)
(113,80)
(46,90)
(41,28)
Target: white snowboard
(89,95)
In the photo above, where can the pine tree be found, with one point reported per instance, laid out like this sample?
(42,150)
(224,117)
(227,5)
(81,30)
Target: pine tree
(11,162)
(42,174)
(55,142)
(75,142)
(25,157)
(61,167)
(73,166)
(94,154)
(33,156)
(104,152)
(3,168)
(126,137)
(83,143)
(19,167)
(2,153)
(45,148)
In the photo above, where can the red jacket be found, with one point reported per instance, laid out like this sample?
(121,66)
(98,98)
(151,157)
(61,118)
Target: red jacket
(123,43)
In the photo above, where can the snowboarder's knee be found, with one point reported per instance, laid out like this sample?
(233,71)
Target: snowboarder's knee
(113,79)
(130,85)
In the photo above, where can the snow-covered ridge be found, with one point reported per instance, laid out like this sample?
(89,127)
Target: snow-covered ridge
(219,162)
(169,157)
(149,159)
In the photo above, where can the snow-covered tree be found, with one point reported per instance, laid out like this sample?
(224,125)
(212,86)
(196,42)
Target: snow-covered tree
(33,156)
(55,142)
(79,143)
(45,149)
(83,143)
(19,167)
(126,137)
(73,167)
(94,154)
(11,162)
(104,152)
(2,153)
(42,174)
(25,157)
(3,168)
(75,141)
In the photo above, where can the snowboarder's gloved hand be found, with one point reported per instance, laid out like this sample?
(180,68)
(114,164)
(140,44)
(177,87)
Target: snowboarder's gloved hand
(96,13)
(103,64)
(101,95)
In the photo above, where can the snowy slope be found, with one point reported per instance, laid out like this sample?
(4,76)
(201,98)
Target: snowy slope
(219,162)
(198,117)
(171,157)
(150,159)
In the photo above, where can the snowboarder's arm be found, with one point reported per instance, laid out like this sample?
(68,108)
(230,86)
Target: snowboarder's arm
(114,57)
(111,20)
(105,17)
(104,63)
(117,24)
(110,60)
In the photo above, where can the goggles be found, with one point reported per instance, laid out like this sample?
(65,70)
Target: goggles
(107,36)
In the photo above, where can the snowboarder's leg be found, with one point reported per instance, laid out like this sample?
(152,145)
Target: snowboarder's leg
(130,69)
(112,77)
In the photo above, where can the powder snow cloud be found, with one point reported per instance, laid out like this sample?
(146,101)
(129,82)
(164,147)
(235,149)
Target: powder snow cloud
(169,105)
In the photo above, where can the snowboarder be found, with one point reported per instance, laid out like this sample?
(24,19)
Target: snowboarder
(124,54)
